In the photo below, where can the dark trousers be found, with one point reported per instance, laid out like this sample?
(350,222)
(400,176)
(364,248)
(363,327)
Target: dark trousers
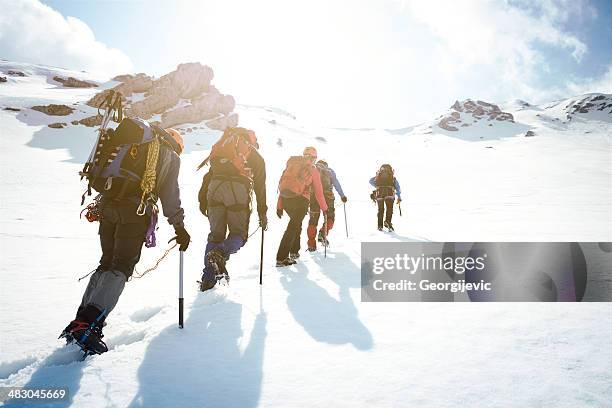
(122,234)
(315,210)
(296,208)
(382,203)
(228,213)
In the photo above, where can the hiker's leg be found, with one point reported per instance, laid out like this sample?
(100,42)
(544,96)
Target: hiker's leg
(331,215)
(238,214)
(298,219)
(313,221)
(217,218)
(286,243)
(106,231)
(381,211)
(389,202)
(129,235)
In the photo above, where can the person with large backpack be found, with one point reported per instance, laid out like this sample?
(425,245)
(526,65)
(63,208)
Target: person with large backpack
(329,181)
(299,180)
(131,167)
(236,170)
(387,187)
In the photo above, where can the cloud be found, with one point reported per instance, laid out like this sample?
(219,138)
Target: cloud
(506,43)
(33,32)
(601,84)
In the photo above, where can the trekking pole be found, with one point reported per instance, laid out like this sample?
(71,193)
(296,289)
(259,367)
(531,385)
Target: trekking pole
(345,223)
(261,258)
(181,290)
(325,235)
(400,208)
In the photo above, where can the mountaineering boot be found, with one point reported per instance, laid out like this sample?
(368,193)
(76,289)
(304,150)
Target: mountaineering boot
(208,280)
(216,258)
(311,249)
(294,256)
(285,262)
(323,239)
(380,227)
(389,225)
(85,335)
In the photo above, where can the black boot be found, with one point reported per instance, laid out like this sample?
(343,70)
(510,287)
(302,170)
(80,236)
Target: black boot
(216,258)
(87,336)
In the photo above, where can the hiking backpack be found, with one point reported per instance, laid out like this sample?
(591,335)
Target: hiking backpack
(125,160)
(230,153)
(385,176)
(295,178)
(326,176)
(385,182)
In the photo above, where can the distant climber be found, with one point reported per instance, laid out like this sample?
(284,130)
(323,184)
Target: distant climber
(299,181)
(387,187)
(329,181)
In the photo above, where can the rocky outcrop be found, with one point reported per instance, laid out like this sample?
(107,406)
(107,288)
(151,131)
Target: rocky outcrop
(589,103)
(468,112)
(54,110)
(58,125)
(185,95)
(2,79)
(529,133)
(11,109)
(15,73)
(71,82)
(90,121)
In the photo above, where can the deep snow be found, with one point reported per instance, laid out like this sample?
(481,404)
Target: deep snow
(304,338)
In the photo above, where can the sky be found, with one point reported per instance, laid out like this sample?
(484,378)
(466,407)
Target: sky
(342,63)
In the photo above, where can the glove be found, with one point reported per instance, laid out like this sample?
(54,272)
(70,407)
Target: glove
(279,212)
(182,237)
(204,209)
(344,199)
(263,221)
(399,200)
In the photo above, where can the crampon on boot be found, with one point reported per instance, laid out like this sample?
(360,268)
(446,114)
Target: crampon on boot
(216,258)
(286,262)
(87,336)
(323,239)
(389,225)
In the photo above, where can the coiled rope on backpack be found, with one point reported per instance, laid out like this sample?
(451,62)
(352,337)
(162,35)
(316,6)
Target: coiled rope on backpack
(147,184)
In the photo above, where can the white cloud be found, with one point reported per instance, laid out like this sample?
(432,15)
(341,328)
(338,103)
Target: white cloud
(602,84)
(33,32)
(502,40)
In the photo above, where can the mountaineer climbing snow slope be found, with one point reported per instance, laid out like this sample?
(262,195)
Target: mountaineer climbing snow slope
(307,321)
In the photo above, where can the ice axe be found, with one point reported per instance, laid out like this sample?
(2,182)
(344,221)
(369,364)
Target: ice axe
(345,223)
(261,258)
(325,235)
(400,208)
(181,289)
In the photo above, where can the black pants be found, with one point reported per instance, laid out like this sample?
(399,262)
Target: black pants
(315,209)
(122,234)
(296,208)
(382,203)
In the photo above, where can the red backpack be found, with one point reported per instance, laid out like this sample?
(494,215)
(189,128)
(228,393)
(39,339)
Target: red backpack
(230,154)
(296,177)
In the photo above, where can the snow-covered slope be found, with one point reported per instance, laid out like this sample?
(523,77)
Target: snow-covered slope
(304,338)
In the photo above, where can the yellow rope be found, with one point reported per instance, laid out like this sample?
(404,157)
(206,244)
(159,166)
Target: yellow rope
(147,184)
